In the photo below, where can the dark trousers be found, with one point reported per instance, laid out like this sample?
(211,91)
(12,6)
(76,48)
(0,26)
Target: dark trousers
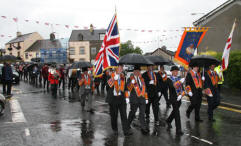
(142,107)
(213,103)
(46,83)
(196,105)
(103,84)
(114,109)
(154,101)
(97,87)
(20,75)
(72,83)
(175,114)
(62,80)
(25,75)
(7,84)
(54,88)
(165,94)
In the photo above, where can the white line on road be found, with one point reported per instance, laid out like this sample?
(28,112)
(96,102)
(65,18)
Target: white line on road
(203,140)
(17,114)
(27,132)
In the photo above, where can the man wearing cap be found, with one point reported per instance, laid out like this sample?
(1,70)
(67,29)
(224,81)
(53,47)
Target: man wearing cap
(161,76)
(211,80)
(138,98)
(117,99)
(176,92)
(86,82)
(151,87)
(194,91)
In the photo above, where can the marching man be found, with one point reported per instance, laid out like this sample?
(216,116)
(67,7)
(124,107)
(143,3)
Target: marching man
(117,99)
(194,91)
(138,98)
(87,83)
(211,90)
(176,92)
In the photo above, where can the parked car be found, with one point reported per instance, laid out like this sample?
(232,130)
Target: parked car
(2,104)
(15,74)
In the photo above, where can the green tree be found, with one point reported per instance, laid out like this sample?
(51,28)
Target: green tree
(128,47)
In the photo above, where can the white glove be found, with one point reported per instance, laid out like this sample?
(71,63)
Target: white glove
(159,94)
(203,78)
(133,81)
(116,77)
(146,101)
(182,80)
(127,100)
(190,94)
(151,82)
(164,75)
(210,95)
(179,97)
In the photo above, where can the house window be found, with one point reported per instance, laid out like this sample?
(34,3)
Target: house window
(102,36)
(10,53)
(18,54)
(81,59)
(80,37)
(81,50)
(93,50)
(71,51)
(26,55)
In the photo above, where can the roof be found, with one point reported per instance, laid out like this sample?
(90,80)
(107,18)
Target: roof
(20,38)
(163,48)
(44,44)
(215,11)
(87,35)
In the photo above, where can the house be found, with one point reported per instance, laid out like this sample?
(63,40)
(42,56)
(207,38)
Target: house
(18,45)
(48,50)
(220,21)
(164,52)
(85,44)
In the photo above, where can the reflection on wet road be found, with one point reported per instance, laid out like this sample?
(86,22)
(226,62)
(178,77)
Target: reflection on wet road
(61,121)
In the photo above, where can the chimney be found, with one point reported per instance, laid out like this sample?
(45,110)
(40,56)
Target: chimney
(19,33)
(91,29)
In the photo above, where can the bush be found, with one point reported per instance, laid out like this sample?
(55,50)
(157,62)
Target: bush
(232,75)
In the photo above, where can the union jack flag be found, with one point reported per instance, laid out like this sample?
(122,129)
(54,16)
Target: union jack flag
(108,55)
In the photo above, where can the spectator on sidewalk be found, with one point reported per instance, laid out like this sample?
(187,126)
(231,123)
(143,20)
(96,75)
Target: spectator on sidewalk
(7,76)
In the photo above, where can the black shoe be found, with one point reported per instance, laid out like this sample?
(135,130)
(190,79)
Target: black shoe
(179,133)
(129,133)
(188,115)
(199,120)
(144,131)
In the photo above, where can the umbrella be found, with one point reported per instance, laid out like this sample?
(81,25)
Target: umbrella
(30,67)
(134,59)
(81,64)
(203,61)
(9,58)
(36,59)
(158,60)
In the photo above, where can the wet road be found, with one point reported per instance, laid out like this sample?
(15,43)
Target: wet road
(33,117)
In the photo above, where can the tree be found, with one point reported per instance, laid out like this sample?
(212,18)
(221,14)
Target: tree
(128,47)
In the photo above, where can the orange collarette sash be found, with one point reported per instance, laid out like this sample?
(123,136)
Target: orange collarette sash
(150,76)
(214,78)
(139,92)
(118,87)
(197,82)
(165,78)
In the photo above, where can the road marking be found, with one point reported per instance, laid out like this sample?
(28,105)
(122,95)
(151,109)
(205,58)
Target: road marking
(17,114)
(27,132)
(203,140)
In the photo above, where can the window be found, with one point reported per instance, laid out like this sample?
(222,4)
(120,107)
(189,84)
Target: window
(81,50)
(81,59)
(93,50)
(80,37)
(26,55)
(102,36)
(71,51)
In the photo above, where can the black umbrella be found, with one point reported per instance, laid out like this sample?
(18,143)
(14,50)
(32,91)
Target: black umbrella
(158,60)
(36,59)
(9,58)
(134,59)
(81,64)
(203,61)
(30,67)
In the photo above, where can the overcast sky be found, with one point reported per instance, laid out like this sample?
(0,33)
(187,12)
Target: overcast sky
(131,14)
